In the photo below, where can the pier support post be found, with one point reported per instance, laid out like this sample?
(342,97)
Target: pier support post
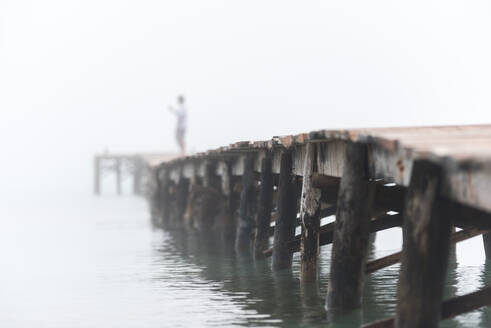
(486,239)
(181,199)
(228,206)
(193,203)
(351,231)
(310,218)
(246,210)
(265,204)
(117,168)
(209,198)
(137,175)
(426,242)
(97,175)
(284,229)
(161,197)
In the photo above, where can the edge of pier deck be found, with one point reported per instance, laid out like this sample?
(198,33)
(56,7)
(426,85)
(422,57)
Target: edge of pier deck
(464,152)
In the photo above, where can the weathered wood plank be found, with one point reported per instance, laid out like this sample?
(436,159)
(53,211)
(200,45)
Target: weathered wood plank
(330,157)
(426,243)
(351,233)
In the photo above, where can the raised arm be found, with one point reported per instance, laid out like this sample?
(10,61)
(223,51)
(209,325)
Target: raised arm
(172,110)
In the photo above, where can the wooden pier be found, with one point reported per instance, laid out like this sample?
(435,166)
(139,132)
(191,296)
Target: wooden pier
(134,166)
(427,180)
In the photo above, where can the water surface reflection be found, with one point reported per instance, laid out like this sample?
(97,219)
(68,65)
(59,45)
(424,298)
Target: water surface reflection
(279,299)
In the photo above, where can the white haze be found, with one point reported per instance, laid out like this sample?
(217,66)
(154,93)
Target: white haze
(79,76)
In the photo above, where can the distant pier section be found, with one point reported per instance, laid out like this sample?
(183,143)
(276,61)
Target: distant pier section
(433,182)
(126,166)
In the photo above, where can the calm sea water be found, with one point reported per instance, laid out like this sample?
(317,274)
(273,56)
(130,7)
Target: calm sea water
(81,261)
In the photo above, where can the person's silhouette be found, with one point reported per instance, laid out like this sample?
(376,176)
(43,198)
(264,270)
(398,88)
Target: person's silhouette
(180,112)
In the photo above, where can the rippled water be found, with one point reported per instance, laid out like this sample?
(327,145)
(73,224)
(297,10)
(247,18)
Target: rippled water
(81,261)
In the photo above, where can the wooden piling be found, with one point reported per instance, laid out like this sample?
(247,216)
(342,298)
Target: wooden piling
(137,175)
(486,239)
(181,199)
(264,207)
(228,205)
(351,232)
(284,230)
(243,242)
(426,243)
(209,195)
(310,218)
(164,196)
(117,168)
(97,175)
(193,203)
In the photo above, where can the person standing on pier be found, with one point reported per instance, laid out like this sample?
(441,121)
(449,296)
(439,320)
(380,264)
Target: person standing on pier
(181,115)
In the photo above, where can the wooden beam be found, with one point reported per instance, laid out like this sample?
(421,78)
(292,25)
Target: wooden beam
(265,204)
(351,231)
(310,205)
(394,258)
(392,198)
(285,223)
(326,231)
(426,243)
(449,308)
(324,212)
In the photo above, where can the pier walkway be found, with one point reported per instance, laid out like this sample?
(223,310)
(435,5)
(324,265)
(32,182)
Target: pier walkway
(434,182)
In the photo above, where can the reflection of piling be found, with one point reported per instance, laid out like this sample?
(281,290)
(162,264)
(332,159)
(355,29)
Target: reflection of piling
(366,178)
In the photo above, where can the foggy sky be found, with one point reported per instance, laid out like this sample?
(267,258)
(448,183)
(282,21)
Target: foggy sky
(79,76)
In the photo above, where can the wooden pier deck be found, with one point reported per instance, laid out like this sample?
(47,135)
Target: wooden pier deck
(427,180)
